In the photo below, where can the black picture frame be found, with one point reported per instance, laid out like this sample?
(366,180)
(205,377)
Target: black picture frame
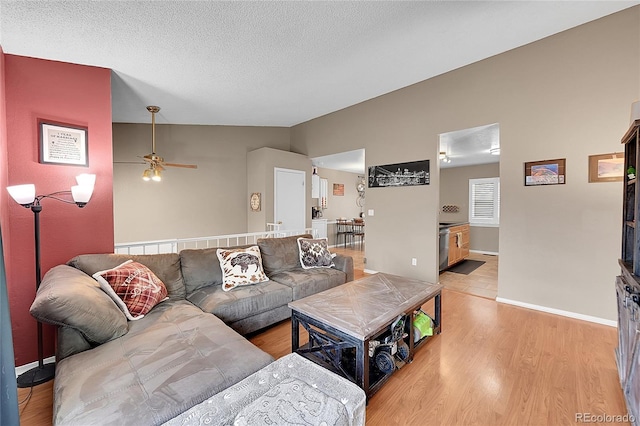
(399,174)
(63,144)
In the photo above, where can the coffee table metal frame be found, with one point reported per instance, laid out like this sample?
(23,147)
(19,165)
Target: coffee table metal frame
(327,344)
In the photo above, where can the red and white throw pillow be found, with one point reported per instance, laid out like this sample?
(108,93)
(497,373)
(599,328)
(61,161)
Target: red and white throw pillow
(133,287)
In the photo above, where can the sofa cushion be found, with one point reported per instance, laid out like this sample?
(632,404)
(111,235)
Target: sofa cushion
(166,267)
(134,288)
(305,282)
(314,253)
(241,302)
(201,268)
(174,358)
(69,297)
(280,254)
(240,267)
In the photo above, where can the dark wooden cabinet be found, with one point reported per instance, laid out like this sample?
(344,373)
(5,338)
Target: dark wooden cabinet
(628,283)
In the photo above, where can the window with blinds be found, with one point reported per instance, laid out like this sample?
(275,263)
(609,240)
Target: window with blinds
(484,201)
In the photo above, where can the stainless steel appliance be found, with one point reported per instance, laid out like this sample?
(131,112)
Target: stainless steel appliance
(444,247)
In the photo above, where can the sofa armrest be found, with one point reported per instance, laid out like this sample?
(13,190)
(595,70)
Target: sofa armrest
(344,264)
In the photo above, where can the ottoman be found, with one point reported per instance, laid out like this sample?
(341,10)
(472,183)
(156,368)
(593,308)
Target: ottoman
(291,390)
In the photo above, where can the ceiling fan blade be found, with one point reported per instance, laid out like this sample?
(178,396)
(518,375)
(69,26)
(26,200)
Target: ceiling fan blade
(129,162)
(186,166)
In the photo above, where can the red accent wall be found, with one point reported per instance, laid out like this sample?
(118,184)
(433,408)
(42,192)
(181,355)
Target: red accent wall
(61,92)
(4,196)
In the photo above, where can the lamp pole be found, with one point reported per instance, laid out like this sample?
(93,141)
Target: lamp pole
(43,372)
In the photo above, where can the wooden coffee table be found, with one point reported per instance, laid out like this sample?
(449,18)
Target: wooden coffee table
(343,320)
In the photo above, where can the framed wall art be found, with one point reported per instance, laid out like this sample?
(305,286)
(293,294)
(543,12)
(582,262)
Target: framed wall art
(606,167)
(63,144)
(400,174)
(548,172)
(338,189)
(255,202)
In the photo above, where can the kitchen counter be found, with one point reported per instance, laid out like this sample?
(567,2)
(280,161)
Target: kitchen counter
(450,224)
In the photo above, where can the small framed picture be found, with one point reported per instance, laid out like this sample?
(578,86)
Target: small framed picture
(548,172)
(63,144)
(606,167)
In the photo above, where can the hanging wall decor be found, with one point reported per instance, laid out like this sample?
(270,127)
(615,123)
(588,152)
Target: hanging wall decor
(548,172)
(338,189)
(400,174)
(63,144)
(606,167)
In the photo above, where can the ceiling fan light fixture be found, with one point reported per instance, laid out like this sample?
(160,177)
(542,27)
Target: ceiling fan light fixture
(156,176)
(146,175)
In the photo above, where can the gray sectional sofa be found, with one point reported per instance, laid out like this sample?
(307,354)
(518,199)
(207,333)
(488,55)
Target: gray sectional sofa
(185,350)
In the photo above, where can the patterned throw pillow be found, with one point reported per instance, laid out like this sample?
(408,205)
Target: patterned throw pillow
(241,267)
(133,287)
(315,253)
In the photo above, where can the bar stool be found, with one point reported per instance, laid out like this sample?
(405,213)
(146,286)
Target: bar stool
(358,231)
(345,228)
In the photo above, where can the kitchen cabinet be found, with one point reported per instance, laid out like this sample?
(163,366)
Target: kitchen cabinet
(628,282)
(315,186)
(319,190)
(458,243)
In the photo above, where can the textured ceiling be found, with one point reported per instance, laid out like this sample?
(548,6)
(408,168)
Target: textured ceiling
(469,147)
(273,63)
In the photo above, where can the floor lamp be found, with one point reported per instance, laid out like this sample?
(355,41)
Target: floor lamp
(25,195)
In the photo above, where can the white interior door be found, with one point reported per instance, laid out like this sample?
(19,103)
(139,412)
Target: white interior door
(290,198)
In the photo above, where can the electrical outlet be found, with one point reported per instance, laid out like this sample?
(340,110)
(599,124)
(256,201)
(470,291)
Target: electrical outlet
(414,261)
(370,212)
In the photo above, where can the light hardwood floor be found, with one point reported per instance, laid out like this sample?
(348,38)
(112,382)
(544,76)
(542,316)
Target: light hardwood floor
(482,282)
(493,364)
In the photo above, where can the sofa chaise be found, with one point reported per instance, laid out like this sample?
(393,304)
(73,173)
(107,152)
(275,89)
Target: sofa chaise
(186,349)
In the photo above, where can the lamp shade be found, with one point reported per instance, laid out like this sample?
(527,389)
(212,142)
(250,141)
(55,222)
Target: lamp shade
(23,194)
(81,194)
(86,179)
(156,175)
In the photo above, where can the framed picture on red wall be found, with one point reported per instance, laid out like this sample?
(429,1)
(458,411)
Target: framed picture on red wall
(63,144)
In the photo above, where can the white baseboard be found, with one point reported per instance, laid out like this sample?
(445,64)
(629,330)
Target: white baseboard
(24,368)
(558,312)
(490,253)
(370,271)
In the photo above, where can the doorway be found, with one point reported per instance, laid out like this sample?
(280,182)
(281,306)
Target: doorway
(289,194)
(469,162)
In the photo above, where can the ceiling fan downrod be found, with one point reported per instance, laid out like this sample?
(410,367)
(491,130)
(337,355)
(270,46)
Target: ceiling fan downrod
(153,110)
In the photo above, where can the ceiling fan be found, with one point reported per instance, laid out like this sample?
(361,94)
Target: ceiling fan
(155,162)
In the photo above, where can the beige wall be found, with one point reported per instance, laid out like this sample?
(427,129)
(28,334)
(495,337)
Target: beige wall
(567,96)
(260,178)
(211,200)
(340,206)
(454,190)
